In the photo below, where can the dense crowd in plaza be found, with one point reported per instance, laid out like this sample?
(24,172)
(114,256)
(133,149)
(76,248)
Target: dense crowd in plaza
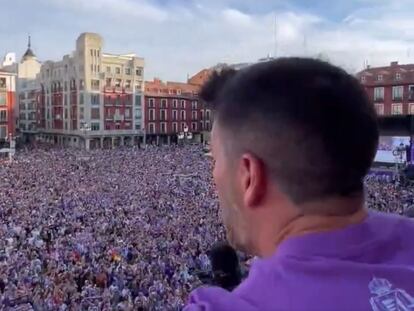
(124,229)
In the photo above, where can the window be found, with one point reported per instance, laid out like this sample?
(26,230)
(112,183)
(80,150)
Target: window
(118,100)
(397,92)
(118,70)
(379,78)
(164,103)
(118,82)
(207,127)
(81,113)
(194,115)
(97,53)
(138,100)
(398,76)
(411,92)
(411,109)
(397,109)
(66,114)
(183,116)
(202,114)
(81,84)
(127,113)
(3,115)
(152,114)
(194,126)
(183,125)
(378,94)
(138,114)
(108,69)
(91,52)
(175,103)
(151,103)
(91,67)
(128,71)
(178,92)
(194,104)
(95,85)
(175,115)
(163,115)
(95,113)
(183,104)
(380,109)
(117,126)
(151,128)
(163,127)
(65,86)
(175,127)
(128,84)
(2,83)
(108,82)
(2,99)
(95,99)
(95,126)
(138,71)
(3,132)
(208,114)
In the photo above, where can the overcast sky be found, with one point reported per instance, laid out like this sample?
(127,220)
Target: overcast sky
(180,37)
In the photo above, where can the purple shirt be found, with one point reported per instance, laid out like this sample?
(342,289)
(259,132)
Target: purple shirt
(367,266)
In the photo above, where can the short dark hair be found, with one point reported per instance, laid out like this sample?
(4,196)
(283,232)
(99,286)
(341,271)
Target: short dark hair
(310,122)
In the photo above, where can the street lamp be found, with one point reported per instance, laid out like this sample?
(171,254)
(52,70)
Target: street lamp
(187,135)
(398,153)
(85,128)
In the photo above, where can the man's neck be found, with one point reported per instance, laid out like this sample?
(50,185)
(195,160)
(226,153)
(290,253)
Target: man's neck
(305,223)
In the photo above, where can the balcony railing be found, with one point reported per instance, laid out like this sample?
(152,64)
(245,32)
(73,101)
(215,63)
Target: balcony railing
(397,98)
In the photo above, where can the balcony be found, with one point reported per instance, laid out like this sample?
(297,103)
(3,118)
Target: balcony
(397,98)
(108,89)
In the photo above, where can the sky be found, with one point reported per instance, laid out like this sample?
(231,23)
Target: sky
(178,38)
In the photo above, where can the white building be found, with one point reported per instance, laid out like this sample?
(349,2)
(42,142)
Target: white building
(91,98)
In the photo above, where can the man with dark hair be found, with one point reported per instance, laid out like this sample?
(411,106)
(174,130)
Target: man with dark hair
(292,141)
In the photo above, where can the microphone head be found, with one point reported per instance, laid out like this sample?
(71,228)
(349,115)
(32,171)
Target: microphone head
(225,266)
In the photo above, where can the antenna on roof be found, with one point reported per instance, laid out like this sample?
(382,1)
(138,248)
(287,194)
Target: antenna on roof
(275,36)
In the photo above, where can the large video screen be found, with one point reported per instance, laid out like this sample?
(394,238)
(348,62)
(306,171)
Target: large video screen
(387,145)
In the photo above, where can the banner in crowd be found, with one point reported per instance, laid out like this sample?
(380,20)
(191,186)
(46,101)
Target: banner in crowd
(388,146)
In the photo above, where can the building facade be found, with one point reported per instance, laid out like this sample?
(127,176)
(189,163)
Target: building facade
(90,98)
(390,88)
(173,112)
(7,106)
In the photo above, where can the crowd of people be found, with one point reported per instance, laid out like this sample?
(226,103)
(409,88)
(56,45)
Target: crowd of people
(124,229)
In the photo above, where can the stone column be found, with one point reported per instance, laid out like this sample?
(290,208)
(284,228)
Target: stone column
(122,140)
(102,142)
(87,144)
(169,140)
(113,142)
(158,140)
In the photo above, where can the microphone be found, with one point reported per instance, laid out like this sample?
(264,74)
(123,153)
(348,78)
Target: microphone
(225,266)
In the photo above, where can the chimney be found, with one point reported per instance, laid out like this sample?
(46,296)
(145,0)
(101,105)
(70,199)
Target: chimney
(394,64)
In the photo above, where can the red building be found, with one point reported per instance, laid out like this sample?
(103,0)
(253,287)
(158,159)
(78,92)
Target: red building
(7,105)
(390,88)
(172,108)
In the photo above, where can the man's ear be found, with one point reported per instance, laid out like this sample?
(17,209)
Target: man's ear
(252,175)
